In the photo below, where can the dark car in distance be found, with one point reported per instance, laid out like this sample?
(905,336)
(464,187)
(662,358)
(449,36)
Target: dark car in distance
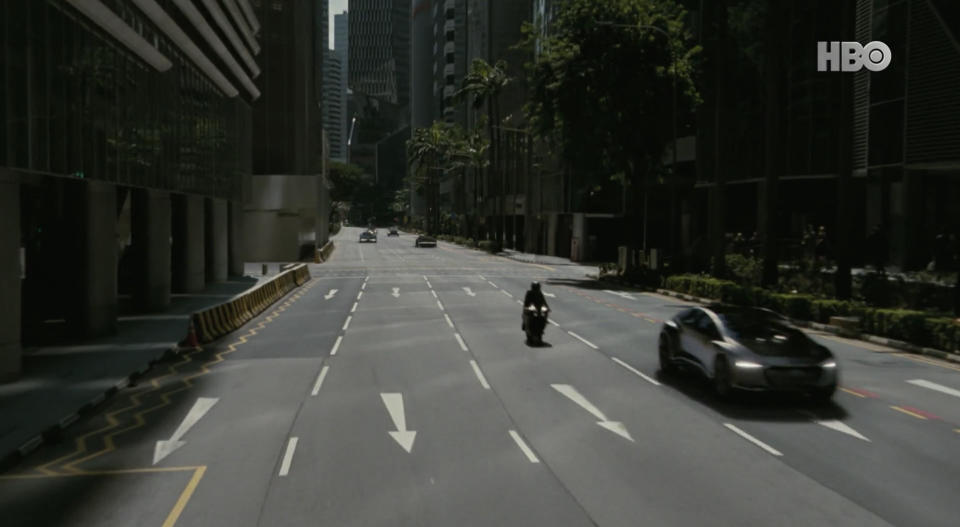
(368,236)
(425,241)
(740,348)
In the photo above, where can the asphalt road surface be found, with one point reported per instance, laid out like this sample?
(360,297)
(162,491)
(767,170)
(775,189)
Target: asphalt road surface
(396,389)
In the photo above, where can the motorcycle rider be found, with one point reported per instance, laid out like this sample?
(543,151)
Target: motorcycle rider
(534,297)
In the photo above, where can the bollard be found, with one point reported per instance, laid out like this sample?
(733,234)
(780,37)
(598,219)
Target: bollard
(264,269)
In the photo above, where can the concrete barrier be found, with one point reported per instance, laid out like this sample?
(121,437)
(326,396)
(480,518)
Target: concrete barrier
(323,254)
(215,322)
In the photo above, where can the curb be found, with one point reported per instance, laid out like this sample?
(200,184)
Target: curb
(883,341)
(53,432)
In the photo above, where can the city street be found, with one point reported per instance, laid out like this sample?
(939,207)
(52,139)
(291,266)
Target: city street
(395,388)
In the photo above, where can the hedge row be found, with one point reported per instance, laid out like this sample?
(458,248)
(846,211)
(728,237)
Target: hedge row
(915,327)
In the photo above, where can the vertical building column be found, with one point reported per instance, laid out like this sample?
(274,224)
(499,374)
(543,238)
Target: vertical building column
(235,238)
(216,239)
(10,358)
(99,275)
(188,254)
(151,245)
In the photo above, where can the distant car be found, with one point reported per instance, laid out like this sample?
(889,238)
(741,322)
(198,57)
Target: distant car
(368,236)
(425,241)
(754,349)
(393,232)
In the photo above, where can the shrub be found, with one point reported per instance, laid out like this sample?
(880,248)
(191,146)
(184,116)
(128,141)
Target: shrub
(943,333)
(746,270)
(489,245)
(898,324)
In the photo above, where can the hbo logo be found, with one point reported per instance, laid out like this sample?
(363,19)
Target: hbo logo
(851,56)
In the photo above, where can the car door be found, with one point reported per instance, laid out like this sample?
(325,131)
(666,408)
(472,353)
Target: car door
(706,333)
(689,337)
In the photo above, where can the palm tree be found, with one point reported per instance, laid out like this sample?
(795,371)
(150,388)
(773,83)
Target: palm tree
(470,155)
(427,150)
(485,82)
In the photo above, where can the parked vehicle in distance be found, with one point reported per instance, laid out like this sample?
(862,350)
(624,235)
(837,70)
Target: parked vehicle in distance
(393,231)
(741,348)
(425,241)
(368,236)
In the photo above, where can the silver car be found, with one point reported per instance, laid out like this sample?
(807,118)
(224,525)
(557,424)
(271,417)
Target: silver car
(747,349)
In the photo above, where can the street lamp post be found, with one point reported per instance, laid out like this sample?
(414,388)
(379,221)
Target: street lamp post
(646,192)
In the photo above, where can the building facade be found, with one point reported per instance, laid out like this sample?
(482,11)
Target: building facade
(125,143)
(334,118)
(379,49)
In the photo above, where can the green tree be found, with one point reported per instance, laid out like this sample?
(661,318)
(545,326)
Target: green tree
(602,84)
(350,187)
(484,83)
(427,153)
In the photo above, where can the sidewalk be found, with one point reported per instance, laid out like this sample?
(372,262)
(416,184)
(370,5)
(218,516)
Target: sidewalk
(59,381)
(543,259)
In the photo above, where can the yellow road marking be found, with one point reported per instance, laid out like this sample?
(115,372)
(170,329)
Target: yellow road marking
(908,412)
(851,392)
(184,497)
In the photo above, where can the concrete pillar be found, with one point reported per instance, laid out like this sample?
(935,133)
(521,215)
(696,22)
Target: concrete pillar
(216,239)
(10,358)
(188,255)
(99,275)
(235,238)
(151,245)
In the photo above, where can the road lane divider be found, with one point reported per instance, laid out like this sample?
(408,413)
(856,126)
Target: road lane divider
(463,345)
(553,322)
(504,291)
(440,305)
(346,324)
(336,345)
(864,394)
(323,375)
(434,293)
(288,456)
(479,374)
(493,284)
(935,387)
(581,339)
(216,321)
(354,308)
(636,372)
(752,439)
(914,412)
(449,322)
(523,447)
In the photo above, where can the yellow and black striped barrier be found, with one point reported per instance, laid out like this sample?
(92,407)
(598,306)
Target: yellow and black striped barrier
(215,322)
(323,254)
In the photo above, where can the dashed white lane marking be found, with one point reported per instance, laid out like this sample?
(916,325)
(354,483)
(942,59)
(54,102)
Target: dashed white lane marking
(504,291)
(347,323)
(363,286)
(354,308)
(935,387)
(491,283)
(481,277)
(359,295)
(637,372)
(336,346)
(752,439)
(366,278)
(319,383)
(523,447)
(581,339)
(440,305)
(480,377)
(550,295)
(463,345)
(434,293)
(553,322)
(288,456)
(449,322)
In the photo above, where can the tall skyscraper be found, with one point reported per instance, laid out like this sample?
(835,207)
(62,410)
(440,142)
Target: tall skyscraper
(379,49)
(334,89)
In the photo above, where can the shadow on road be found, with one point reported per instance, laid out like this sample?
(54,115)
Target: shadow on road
(752,406)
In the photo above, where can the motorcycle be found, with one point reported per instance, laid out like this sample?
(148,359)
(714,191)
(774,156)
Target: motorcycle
(534,322)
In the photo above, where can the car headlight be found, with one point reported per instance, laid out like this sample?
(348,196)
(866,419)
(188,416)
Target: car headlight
(747,365)
(828,364)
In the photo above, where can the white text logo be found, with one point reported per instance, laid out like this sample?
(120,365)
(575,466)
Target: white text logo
(851,56)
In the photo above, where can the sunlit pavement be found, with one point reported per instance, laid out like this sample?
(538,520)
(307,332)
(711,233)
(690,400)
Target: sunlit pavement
(396,389)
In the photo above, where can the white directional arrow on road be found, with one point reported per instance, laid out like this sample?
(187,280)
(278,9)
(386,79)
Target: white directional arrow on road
(396,292)
(394,404)
(837,425)
(200,408)
(331,294)
(621,294)
(614,426)
(469,291)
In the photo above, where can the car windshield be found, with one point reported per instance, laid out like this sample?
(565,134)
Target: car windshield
(753,324)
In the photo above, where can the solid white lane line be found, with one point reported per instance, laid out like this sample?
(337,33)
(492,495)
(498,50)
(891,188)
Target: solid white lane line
(336,346)
(288,457)
(347,323)
(319,383)
(463,345)
(480,377)
(491,283)
(752,439)
(935,387)
(434,293)
(581,339)
(449,322)
(637,372)
(553,322)
(504,291)
(354,308)
(440,305)
(523,447)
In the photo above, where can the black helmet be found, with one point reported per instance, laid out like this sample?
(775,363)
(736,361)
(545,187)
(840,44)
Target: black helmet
(535,286)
